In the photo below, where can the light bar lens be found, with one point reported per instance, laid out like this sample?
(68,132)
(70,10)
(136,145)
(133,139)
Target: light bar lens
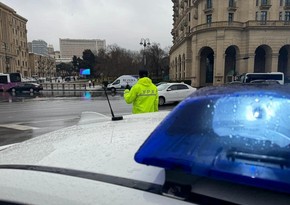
(239,136)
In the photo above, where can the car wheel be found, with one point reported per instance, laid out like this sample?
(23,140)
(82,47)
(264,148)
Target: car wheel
(113,89)
(161,101)
(31,90)
(13,90)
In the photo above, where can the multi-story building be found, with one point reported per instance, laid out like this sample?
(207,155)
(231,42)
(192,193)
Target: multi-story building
(13,42)
(215,40)
(29,45)
(76,47)
(42,66)
(40,47)
(50,50)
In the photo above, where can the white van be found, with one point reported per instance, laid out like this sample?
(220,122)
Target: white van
(254,77)
(122,82)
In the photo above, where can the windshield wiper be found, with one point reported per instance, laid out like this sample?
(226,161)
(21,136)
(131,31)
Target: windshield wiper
(115,180)
(234,154)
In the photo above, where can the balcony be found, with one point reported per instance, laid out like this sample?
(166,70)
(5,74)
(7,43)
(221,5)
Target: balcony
(232,6)
(240,25)
(265,5)
(287,5)
(208,8)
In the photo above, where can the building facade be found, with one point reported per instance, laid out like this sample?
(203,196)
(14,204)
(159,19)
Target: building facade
(76,47)
(13,42)
(42,66)
(216,40)
(40,47)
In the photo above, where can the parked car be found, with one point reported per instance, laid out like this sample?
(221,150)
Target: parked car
(173,92)
(160,83)
(27,87)
(223,145)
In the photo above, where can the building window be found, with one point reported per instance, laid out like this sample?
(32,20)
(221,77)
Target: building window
(264,16)
(287,16)
(189,16)
(265,2)
(257,2)
(231,3)
(208,4)
(231,17)
(280,16)
(287,2)
(208,19)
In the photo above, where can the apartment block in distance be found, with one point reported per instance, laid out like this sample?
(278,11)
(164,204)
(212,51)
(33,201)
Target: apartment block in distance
(76,47)
(13,42)
(216,40)
(39,47)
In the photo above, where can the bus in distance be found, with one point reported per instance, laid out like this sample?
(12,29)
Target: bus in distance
(9,80)
(272,76)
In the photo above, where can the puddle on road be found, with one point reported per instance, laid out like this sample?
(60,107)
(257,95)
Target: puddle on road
(44,95)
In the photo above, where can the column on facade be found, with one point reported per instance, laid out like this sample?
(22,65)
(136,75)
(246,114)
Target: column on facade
(196,72)
(193,69)
(183,66)
(241,64)
(188,66)
(274,63)
(219,63)
(288,64)
(250,59)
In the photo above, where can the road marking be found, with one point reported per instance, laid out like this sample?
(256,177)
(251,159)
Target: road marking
(18,127)
(52,120)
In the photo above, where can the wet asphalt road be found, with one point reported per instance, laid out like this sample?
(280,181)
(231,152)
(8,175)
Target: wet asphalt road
(24,116)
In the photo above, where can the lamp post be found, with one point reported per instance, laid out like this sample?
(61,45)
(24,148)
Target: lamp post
(6,57)
(144,42)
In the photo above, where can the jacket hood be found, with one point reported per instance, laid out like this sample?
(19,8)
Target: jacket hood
(145,81)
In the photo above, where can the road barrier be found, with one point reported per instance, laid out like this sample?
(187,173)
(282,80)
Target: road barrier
(69,87)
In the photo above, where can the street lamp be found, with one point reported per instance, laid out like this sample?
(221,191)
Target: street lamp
(6,57)
(144,42)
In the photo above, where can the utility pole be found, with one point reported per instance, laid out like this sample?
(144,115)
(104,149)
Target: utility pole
(144,42)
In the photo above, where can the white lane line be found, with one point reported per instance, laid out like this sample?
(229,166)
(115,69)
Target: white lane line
(52,120)
(18,127)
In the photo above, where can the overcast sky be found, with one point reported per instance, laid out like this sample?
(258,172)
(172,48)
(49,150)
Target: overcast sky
(121,22)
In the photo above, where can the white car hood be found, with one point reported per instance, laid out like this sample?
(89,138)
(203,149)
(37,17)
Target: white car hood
(96,144)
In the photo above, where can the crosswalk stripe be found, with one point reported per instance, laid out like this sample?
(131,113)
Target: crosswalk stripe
(18,127)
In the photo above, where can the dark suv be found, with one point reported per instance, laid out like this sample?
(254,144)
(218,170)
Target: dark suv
(27,87)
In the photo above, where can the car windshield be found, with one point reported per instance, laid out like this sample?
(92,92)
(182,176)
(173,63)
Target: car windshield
(85,85)
(162,86)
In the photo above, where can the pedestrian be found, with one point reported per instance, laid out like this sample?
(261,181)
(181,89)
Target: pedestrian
(90,83)
(143,95)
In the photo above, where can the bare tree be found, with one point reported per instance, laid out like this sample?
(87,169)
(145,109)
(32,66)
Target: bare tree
(155,55)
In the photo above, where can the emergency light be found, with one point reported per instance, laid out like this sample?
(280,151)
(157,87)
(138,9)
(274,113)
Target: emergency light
(235,133)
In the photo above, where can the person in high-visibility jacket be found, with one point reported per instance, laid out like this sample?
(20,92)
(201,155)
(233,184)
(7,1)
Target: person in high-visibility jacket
(143,95)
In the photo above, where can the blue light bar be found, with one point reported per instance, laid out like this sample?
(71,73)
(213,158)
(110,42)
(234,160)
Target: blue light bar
(238,133)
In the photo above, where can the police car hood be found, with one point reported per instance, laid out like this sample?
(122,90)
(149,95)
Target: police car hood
(96,145)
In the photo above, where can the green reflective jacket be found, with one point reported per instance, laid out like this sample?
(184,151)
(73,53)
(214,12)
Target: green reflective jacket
(143,95)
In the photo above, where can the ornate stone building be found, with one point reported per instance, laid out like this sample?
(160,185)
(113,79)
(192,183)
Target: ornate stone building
(13,42)
(214,40)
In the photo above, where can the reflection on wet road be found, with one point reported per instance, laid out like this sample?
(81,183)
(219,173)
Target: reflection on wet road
(85,95)
(25,115)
